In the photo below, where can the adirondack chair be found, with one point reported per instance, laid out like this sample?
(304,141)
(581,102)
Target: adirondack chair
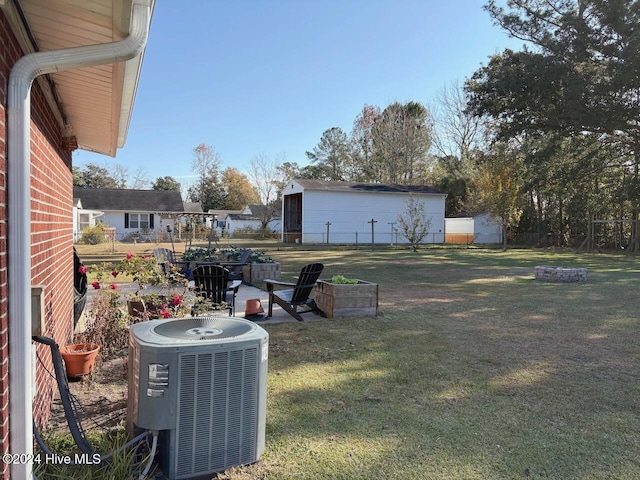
(212,281)
(297,296)
(235,268)
(166,259)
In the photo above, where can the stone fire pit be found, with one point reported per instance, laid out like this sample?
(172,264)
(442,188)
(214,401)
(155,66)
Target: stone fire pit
(560,274)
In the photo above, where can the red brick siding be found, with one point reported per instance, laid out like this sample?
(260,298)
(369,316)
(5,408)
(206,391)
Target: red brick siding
(51,235)
(6,45)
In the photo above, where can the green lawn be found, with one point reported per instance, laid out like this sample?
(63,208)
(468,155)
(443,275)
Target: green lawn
(472,370)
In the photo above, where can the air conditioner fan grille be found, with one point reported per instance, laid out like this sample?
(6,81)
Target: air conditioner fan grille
(202,328)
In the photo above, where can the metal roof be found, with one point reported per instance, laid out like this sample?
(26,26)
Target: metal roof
(365,187)
(92,104)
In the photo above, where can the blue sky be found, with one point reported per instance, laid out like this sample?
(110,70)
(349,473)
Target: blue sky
(267,77)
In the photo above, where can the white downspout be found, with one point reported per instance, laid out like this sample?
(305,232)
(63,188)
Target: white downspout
(22,76)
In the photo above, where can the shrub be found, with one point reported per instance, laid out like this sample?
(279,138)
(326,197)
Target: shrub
(233,254)
(107,324)
(200,254)
(92,235)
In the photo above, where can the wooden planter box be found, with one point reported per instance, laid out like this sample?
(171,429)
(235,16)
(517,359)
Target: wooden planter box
(343,300)
(257,272)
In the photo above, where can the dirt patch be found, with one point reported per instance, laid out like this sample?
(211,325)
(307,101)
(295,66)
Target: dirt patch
(101,398)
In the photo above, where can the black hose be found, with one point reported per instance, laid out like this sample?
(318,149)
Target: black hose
(63,386)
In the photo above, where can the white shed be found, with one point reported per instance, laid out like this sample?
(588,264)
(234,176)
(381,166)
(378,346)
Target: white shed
(317,211)
(480,229)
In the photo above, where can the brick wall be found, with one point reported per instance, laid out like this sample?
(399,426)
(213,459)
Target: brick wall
(51,236)
(6,55)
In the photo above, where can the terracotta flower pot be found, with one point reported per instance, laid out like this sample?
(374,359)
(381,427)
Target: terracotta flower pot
(79,358)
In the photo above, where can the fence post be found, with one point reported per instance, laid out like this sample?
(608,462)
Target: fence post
(372,222)
(391,235)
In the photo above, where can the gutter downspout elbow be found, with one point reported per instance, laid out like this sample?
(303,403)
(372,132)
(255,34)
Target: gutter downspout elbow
(21,78)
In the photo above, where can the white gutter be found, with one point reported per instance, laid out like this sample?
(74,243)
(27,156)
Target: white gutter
(22,76)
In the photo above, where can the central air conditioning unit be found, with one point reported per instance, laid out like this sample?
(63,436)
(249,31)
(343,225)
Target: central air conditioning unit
(202,383)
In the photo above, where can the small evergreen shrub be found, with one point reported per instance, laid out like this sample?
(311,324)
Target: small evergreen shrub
(92,235)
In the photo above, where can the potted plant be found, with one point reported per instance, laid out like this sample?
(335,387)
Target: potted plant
(346,297)
(79,358)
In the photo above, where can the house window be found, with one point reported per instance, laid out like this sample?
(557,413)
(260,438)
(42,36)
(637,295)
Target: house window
(84,221)
(139,221)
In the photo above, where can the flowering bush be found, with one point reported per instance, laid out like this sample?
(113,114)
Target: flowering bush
(169,299)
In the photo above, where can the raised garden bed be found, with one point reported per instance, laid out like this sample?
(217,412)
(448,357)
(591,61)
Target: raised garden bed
(347,300)
(254,273)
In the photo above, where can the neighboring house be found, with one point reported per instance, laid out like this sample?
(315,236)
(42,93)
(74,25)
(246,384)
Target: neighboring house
(250,219)
(479,229)
(216,218)
(83,218)
(316,211)
(193,208)
(144,213)
(50,105)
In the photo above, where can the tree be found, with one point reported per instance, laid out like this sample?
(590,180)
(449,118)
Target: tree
(413,222)
(240,192)
(95,176)
(287,171)
(267,178)
(207,190)
(331,155)
(119,173)
(78,176)
(578,78)
(457,137)
(401,140)
(364,167)
(210,195)
(582,75)
(205,163)
(499,184)
(139,179)
(457,131)
(166,183)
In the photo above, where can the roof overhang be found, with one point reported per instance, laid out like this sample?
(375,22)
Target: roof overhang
(92,105)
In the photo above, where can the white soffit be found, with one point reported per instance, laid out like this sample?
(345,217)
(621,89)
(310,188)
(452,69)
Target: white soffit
(95,103)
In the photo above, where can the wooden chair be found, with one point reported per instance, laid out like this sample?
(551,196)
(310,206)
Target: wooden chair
(291,299)
(235,268)
(212,281)
(166,259)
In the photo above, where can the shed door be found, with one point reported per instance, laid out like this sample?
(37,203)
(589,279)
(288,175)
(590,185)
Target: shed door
(292,218)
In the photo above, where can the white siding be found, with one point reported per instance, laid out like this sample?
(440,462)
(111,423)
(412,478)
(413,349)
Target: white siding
(116,219)
(234,224)
(487,230)
(350,213)
(480,230)
(459,225)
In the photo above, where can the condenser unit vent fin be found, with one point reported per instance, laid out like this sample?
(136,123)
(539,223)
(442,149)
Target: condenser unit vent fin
(217,410)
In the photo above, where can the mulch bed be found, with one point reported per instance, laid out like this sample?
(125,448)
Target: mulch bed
(101,396)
